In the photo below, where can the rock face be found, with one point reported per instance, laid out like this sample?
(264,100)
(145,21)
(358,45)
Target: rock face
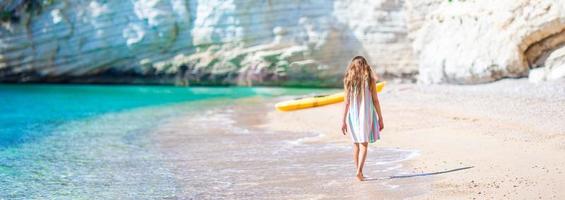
(381,29)
(480,41)
(553,67)
(299,43)
(202,41)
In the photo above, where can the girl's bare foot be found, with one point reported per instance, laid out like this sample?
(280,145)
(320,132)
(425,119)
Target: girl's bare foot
(360,177)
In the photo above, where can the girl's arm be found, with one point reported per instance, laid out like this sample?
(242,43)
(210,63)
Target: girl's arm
(343,125)
(377,105)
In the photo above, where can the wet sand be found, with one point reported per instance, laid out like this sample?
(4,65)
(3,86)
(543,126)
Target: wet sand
(231,152)
(504,140)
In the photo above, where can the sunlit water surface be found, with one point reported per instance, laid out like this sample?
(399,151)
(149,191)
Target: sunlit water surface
(98,142)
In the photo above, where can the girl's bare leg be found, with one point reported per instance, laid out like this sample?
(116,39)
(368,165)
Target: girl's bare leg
(364,147)
(356,154)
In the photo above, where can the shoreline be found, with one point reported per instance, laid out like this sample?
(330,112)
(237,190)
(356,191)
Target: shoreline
(244,158)
(472,139)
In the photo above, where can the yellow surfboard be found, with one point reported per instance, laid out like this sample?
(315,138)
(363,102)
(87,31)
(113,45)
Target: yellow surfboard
(311,102)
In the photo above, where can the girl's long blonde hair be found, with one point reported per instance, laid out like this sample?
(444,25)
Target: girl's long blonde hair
(358,72)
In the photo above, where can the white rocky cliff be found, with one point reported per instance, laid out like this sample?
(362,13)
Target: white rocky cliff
(196,42)
(252,42)
(479,41)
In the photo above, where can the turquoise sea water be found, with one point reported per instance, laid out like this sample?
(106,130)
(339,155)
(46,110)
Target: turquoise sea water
(89,141)
(32,111)
(165,142)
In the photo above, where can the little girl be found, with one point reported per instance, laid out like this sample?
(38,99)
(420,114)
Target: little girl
(362,116)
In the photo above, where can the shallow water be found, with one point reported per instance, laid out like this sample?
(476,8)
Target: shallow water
(89,141)
(155,142)
(231,157)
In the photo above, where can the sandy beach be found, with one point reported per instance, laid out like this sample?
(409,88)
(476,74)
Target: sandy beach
(503,140)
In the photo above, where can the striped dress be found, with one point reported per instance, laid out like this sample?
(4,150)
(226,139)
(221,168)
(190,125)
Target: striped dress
(362,118)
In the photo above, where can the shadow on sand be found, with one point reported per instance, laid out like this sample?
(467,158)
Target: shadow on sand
(420,174)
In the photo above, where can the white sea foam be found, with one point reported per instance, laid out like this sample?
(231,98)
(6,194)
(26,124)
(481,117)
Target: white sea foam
(308,139)
(408,155)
